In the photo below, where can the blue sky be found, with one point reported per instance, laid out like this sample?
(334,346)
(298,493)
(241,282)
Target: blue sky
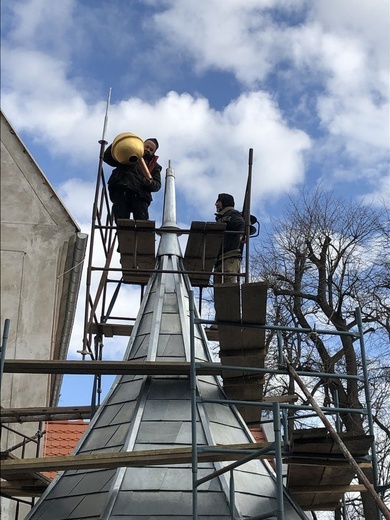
(303,83)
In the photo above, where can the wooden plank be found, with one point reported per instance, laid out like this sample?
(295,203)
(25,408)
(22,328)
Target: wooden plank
(136,240)
(305,490)
(22,488)
(227,302)
(333,463)
(253,338)
(202,249)
(246,389)
(26,483)
(280,399)
(109,330)
(316,441)
(254,302)
(34,366)
(33,414)
(299,475)
(242,346)
(212,334)
(250,358)
(254,306)
(12,468)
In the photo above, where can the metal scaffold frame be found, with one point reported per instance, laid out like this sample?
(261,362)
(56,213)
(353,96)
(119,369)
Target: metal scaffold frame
(275,449)
(279,449)
(279,410)
(98,310)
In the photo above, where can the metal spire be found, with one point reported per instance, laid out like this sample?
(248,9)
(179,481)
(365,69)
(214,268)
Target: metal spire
(169,243)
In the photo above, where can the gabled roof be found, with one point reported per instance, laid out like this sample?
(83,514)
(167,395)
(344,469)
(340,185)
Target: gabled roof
(25,161)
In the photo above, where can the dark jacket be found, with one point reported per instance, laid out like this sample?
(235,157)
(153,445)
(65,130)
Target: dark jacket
(131,176)
(232,243)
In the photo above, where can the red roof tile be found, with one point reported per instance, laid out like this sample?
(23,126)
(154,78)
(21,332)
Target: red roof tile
(61,438)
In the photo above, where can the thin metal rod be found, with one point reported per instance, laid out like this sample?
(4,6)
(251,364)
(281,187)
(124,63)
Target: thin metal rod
(278,461)
(330,375)
(251,454)
(99,180)
(232,495)
(329,410)
(106,114)
(359,322)
(3,347)
(279,338)
(277,327)
(247,215)
(193,408)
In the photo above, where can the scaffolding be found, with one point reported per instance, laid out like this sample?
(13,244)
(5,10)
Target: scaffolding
(326,451)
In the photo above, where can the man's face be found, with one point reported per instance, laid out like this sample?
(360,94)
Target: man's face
(218,205)
(149,147)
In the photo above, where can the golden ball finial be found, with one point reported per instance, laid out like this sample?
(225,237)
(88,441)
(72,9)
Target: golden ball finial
(127,148)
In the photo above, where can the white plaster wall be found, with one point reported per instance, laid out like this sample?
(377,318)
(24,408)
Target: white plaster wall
(36,231)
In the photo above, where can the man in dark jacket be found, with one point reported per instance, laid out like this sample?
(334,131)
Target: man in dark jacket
(130,187)
(230,253)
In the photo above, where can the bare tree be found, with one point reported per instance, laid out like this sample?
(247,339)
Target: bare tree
(322,260)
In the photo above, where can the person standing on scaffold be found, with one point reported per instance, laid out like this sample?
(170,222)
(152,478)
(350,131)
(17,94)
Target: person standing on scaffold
(131,185)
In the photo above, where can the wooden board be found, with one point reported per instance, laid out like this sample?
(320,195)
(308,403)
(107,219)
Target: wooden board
(161,368)
(327,481)
(245,303)
(35,414)
(109,330)
(12,469)
(241,358)
(242,346)
(202,249)
(27,483)
(247,388)
(227,302)
(137,249)
(254,302)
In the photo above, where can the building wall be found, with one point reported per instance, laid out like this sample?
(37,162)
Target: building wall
(37,237)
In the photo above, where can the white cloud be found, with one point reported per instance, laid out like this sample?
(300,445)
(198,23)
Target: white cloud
(209,149)
(205,145)
(42,23)
(379,195)
(368,21)
(39,98)
(340,48)
(246,30)
(77,196)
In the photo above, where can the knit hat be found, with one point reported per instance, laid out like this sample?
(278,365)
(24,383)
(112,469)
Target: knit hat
(154,140)
(226,199)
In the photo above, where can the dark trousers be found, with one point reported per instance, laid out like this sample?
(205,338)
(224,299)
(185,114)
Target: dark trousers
(125,202)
